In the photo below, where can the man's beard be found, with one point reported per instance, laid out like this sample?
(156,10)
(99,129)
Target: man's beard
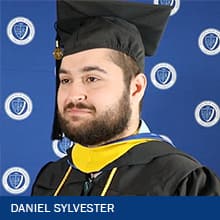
(104,128)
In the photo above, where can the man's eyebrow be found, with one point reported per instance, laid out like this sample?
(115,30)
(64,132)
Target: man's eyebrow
(61,70)
(83,70)
(92,68)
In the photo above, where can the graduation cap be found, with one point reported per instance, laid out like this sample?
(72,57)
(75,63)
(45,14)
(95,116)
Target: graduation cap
(133,28)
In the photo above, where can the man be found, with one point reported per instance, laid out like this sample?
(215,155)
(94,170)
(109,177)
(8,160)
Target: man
(100,89)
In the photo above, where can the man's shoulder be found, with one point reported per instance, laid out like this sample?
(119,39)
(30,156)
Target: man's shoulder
(50,173)
(158,151)
(168,158)
(54,167)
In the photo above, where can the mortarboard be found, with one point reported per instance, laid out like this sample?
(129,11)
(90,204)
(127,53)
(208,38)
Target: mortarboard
(130,27)
(133,28)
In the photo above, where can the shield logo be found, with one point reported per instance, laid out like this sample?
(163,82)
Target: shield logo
(18,106)
(207,113)
(163,75)
(21,30)
(15,179)
(211,40)
(167,2)
(64,144)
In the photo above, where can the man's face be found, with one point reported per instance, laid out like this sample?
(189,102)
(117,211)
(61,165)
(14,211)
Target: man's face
(93,101)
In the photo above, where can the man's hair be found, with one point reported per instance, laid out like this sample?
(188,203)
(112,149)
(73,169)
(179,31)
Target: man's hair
(129,67)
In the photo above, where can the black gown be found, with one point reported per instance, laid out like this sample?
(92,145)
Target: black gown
(149,169)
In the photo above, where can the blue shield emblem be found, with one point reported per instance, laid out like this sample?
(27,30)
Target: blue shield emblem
(15,180)
(21,30)
(163,75)
(64,144)
(211,41)
(207,113)
(18,105)
(166,2)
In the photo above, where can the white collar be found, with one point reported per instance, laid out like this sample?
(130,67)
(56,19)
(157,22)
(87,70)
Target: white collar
(143,128)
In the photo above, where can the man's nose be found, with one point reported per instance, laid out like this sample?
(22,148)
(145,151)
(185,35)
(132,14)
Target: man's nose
(77,93)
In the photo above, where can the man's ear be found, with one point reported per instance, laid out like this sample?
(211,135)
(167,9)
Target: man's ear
(138,86)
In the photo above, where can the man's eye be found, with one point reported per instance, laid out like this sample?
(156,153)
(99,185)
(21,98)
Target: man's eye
(91,79)
(64,81)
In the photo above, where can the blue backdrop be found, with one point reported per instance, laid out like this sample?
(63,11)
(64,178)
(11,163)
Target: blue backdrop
(181,102)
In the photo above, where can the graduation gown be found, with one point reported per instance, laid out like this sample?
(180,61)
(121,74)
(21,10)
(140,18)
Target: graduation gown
(149,169)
